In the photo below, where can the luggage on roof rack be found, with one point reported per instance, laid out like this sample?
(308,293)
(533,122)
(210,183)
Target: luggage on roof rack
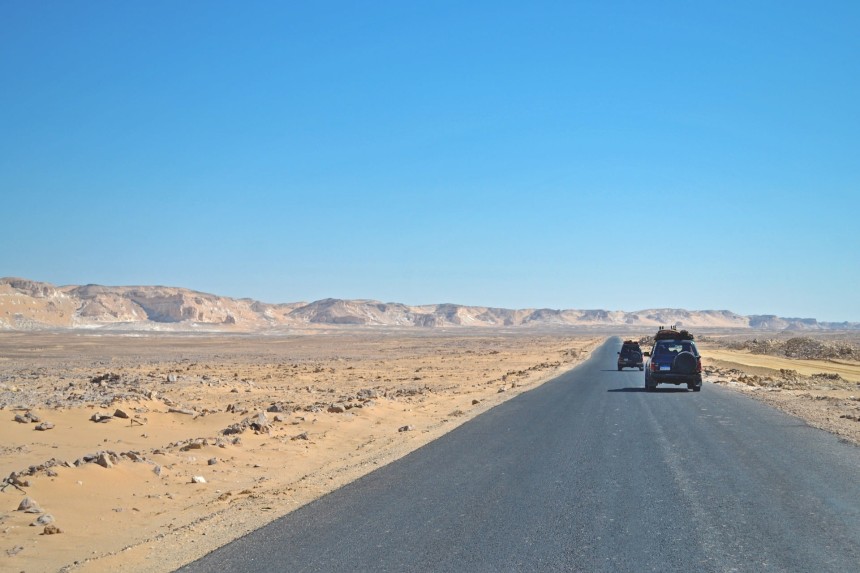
(672,334)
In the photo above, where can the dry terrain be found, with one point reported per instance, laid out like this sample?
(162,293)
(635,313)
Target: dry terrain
(816,379)
(143,452)
(146,451)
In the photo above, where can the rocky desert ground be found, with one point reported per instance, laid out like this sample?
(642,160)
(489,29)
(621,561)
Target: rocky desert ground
(814,378)
(142,452)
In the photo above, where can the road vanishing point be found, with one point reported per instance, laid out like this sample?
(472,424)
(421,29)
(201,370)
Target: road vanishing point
(587,472)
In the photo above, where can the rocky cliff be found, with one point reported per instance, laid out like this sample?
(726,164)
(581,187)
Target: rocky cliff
(30,305)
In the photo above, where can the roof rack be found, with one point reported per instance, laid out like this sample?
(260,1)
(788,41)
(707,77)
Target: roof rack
(672,334)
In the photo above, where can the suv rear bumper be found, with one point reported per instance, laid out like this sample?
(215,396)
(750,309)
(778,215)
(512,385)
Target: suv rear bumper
(671,378)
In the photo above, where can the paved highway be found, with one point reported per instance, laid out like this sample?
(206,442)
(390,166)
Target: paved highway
(588,473)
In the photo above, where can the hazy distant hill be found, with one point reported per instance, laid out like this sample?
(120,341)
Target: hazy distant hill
(31,305)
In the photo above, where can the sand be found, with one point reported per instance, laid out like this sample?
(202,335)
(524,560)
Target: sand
(334,403)
(398,391)
(823,393)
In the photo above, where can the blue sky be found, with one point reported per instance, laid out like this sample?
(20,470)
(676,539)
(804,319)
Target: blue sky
(617,155)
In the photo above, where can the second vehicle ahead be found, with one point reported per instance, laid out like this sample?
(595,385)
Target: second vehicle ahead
(630,356)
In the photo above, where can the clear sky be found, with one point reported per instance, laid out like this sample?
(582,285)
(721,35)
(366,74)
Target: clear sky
(616,155)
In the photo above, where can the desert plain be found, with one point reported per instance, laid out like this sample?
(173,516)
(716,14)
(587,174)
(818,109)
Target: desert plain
(145,451)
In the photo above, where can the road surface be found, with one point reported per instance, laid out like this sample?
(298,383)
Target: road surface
(588,472)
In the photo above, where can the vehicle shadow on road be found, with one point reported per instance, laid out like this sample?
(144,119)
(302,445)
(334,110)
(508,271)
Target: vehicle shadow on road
(656,390)
(620,371)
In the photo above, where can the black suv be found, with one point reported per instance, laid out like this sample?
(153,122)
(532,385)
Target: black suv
(630,356)
(674,359)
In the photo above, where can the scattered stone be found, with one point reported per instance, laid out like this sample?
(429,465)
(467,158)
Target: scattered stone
(27,418)
(14,551)
(43,520)
(28,504)
(51,530)
(475,402)
(157,470)
(212,461)
(16,480)
(337,408)
(104,460)
(171,378)
(406,428)
(502,389)
(302,436)
(233,429)
(44,426)
(198,479)
(98,417)
(181,411)
(258,423)
(120,414)
(104,379)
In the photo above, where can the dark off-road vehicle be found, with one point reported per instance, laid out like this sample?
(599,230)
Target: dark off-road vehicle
(674,359)
(630,356)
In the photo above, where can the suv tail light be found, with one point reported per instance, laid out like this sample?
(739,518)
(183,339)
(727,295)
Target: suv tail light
(653,366)
(699,365)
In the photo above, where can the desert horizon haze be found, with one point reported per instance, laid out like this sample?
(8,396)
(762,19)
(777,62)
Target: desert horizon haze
(31,305)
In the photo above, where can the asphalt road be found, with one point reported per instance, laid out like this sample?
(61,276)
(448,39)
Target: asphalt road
(588,473)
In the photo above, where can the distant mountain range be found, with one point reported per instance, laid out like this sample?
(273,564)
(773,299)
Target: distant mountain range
(31,305)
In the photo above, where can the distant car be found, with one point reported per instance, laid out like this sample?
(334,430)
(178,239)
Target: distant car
(630,356)
(674,359)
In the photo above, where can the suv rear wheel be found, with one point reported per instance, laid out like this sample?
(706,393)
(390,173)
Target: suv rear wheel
(684,363)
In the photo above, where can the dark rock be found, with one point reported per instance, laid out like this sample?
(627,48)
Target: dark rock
(406,428)
(120,414)
(44,426)
(337,408)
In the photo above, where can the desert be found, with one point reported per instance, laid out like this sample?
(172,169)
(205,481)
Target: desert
(143,427)
(143,452)
(146,451)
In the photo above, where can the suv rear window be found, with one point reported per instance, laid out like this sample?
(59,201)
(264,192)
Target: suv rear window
(674,347)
